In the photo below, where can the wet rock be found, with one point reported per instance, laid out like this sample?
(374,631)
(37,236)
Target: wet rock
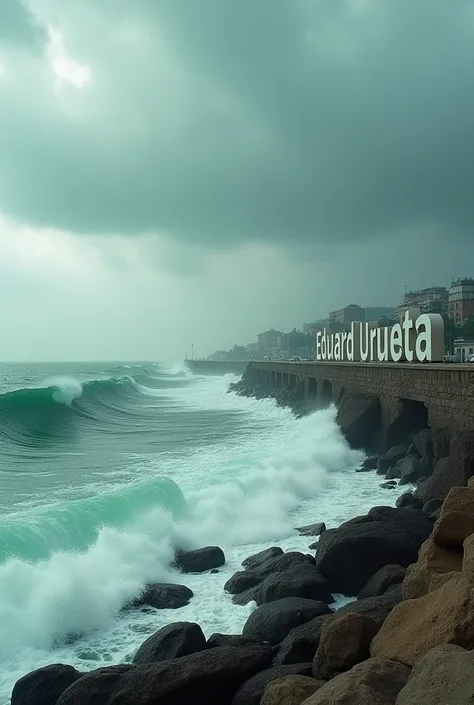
(410,469)
(378,608)
(456,519)
(408,499)
(301,644)
(45,685)
(345,641)
(433,560)
(373,682)
(444,675)
(388,485)
(370,463)
(243,598)
(414,627)
(257,559)
(312,529)
(210,677)
(244,580)
(172,641)
(251,692)
(391,458)
(383,580)
(357,416)
(350,555)
(274,620)
(423,440)
(200,560)
(452,471)
(241,581)
(290,690)
(164,596)
(232,640)
(303,580)
(432,506)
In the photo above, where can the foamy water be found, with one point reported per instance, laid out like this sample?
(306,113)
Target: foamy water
(246,488)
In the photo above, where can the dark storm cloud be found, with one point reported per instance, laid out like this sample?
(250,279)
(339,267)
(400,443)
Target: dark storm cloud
(285,121)
(19,26)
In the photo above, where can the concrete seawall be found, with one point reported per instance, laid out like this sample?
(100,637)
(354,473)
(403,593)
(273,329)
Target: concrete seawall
(217,367)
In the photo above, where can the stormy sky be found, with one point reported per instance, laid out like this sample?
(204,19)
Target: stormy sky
(195,171)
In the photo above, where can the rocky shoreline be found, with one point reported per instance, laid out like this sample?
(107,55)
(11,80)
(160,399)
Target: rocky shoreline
(404,639)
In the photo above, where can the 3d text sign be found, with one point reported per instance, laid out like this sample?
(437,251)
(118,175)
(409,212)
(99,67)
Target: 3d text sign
(417,339)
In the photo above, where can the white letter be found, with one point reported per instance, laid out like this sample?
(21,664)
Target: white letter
(382,354)
(343,351)
(407,326)
(337,347)
(364,354)
(423,341)
(330,346)
(350,344)
(324,345)
(318,346)
(396,343)
(373,336)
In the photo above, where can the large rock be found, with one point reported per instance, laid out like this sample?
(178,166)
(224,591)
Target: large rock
(444,616)
(410,469)
(432,561)
(468,559)
(236,641)
(391,458)
(273,621)
(378,608)
(350,555)
(304,580)
(345,641)
(359,416)
(257,559)
(210,677)
(172,641)
(242,580)
(45,685)
(200,560)
(444,675)
(290,690)
(164,596)
(408,499)
(451,471)
(312,529)
(373,682)
(251,692)
(383,580)
(423,441)
(301,644)
(456,520)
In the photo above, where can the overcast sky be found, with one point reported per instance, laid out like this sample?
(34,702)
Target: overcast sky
(196,171)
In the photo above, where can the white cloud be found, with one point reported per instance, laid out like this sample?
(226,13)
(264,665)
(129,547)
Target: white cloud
(67,70)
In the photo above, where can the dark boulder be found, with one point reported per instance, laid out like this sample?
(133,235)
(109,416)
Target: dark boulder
(258,558)
(235,641)
(172,641)
(312,529)
(369,463)
(423,440)
(45,685)
(243,598)
(245,579)
(391,458)
(301,644)
(164,596)
(388,485)
(200,560)
(378,608)
(350,555)
(345,642)
(382,581)
(452,471)
(408,499)
(303,580)
(432,506)
(394,473)
(358,416)
(382,513)
(410,470)
(274,620)
(250,693)
(210,677)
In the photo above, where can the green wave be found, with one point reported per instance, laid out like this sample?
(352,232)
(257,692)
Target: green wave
(74,525)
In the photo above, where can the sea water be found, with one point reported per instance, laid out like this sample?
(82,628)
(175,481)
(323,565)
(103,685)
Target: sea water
(104,468)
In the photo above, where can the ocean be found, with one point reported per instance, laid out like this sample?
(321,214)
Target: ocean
(105,467)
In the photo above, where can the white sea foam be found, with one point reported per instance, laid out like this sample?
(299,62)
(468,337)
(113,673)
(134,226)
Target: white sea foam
(244,494)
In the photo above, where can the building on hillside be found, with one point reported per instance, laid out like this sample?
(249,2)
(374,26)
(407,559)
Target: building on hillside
(315,326)
(434,299)
(269,340)
(376,313)
(461,300)
(343,317)
(464,349)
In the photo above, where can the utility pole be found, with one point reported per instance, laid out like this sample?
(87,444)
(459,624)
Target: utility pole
(192,351)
